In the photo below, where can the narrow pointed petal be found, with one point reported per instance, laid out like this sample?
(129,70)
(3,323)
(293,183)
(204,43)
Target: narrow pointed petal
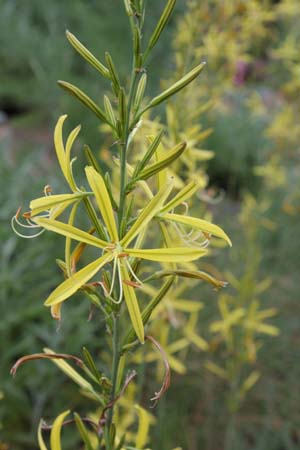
(45,203)
(183,195)
(102,197)
(180,254)
(147,213)
(41,441)
(59,144)
(198,224)
(76,281)
(132,305)
(55,442)
(70,141)
(70,232)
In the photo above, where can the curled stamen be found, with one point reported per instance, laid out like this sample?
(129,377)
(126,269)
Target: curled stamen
(189,239)
(15,220)
(116,268)
(120,281)
(113,277)
(47,190)
(132,273)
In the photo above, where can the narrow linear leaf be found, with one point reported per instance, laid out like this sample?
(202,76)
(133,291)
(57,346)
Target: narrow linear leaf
(90,157)
(109,111)
(122,106)
(140,92)
(84,99)
(170,157)
(148,155)
(83,432)
(180,84)
(161,23)
(87,55)
(198,275)
(113,74)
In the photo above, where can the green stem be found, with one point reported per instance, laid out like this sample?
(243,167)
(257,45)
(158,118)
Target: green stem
(122,203)
(114,374)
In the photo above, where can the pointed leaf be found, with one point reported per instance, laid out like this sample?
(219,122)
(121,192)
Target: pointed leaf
(85,99)
(76,281)
(154,143)
(161,23)
(140,91)
(102,197)
(180,254)
(198,224)
(55,442)
(176,87)
(83,432)
(87,55)
(168,158)
(132,305)
(70,232)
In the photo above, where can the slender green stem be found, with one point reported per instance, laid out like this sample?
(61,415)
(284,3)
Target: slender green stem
(122,204)
(114,374)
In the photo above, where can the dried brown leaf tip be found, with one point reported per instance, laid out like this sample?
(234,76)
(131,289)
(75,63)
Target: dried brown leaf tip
(167,378)
(35,356)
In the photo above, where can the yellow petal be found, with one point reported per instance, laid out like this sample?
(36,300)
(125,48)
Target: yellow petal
(70,232)
(181,197)
(56,430)
(180,254)
(198,224)
(70,141)
(132,305)
(45,203)
(41,442)
(145,420)
(59,144)
(76,281)
(147,214)
(99,188)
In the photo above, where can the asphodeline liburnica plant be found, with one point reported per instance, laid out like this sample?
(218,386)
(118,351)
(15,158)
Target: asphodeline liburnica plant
(119,228)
